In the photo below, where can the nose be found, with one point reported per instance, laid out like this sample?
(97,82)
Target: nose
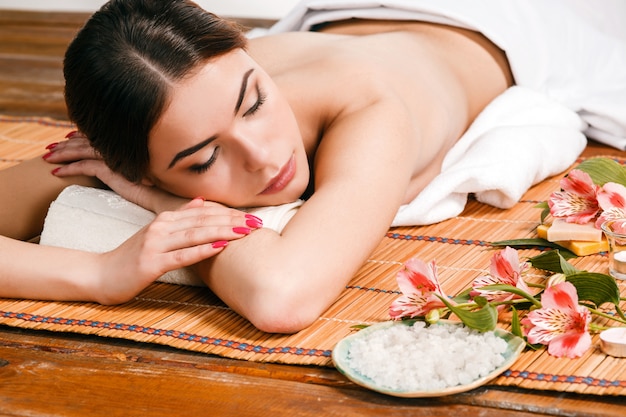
(253,150)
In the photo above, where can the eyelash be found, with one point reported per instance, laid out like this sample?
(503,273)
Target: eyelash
(202,168)
(260,101)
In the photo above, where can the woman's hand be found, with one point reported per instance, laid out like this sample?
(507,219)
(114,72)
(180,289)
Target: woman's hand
(175,239)
(79,158)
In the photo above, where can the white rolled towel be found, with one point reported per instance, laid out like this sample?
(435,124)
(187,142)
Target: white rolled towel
(97,220)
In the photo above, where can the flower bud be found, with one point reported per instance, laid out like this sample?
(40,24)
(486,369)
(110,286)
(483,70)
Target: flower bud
(433,316)
(555,279)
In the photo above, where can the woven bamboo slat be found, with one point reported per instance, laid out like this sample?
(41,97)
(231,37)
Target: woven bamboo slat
(194,319)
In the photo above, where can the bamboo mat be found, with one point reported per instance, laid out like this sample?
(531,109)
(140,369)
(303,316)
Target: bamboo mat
(194,319)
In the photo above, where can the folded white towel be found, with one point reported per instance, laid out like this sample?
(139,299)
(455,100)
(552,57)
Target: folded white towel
(96,220)
(519,139)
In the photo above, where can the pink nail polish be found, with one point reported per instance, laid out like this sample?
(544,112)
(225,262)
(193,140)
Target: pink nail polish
(242,230)
(55,170)
(219,244)
(253,217)
(255,224)
(71,134)
(48,155)
(52,146)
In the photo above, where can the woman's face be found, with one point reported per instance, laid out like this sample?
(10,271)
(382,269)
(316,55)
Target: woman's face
(228,135)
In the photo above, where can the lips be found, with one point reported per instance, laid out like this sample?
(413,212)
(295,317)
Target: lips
(280,181)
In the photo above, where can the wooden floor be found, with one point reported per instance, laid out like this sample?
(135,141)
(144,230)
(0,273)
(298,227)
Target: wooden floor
(48,374)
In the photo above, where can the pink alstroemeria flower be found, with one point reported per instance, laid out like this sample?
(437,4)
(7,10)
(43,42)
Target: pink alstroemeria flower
(419,283)
(561,323)
(505,269)
(612,199)
(577,202)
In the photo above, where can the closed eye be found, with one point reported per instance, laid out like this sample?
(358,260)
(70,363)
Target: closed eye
(202,168)
(261,97)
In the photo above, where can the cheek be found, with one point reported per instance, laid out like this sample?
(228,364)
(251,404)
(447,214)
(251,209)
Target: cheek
(284,122)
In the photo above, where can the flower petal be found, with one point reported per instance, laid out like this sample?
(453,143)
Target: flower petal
(580,183)
(505,265)
(417,275)
(612,195)
(572,207)
(562,296)
(572,345)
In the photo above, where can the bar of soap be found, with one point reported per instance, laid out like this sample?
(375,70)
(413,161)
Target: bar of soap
(580,248)
(562,230)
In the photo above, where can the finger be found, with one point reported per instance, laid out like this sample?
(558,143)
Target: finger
(71,150)
(190,256)
(203,210)
(186,232)
(89,167)
(227,219)
(75,134)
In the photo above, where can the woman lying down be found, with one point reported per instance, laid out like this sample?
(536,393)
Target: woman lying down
(179,113)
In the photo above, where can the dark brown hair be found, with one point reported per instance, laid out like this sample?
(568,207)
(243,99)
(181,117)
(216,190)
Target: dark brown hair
(121,66)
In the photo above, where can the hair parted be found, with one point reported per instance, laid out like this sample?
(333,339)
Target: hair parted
(121,66)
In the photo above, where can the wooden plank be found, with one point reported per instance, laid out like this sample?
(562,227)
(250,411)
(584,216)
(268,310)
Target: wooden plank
(44,373)
(72,375)
(32,45)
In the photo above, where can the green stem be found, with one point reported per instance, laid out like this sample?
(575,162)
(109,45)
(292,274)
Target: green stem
(605,315)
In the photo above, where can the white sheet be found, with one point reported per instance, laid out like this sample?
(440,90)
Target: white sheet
(572,51)
(569,65)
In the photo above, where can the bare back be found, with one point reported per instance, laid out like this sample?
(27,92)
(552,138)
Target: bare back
(444,76)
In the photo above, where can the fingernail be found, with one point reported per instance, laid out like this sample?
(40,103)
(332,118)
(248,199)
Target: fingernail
(242,230)
(255,224)
(55,170)
(219,244)
(253,217)
(71,134)
(52,146)
(200,198)
(48,155)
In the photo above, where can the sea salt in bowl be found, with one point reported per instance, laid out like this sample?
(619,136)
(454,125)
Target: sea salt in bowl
(613,342)
(411,359)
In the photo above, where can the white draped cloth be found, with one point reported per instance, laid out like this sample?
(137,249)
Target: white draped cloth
(568,58)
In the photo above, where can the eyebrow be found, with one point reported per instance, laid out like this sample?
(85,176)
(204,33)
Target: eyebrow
(242,91)
(190,151)
(195,148)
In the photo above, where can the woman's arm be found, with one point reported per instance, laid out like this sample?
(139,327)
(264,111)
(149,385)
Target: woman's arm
(175,239)
(26,191)
(282,283)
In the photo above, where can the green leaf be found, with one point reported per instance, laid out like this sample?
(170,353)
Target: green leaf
(535,243)
(463,296)
(603,170)
(483,319)
(545,210)
(550,261)
(595,287)
(512,290)
(566,267)
(516,327)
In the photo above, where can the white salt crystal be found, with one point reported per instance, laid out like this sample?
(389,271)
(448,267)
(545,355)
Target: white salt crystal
(420,358)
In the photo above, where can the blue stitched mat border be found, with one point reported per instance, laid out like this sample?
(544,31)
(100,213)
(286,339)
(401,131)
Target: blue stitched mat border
(194,319)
